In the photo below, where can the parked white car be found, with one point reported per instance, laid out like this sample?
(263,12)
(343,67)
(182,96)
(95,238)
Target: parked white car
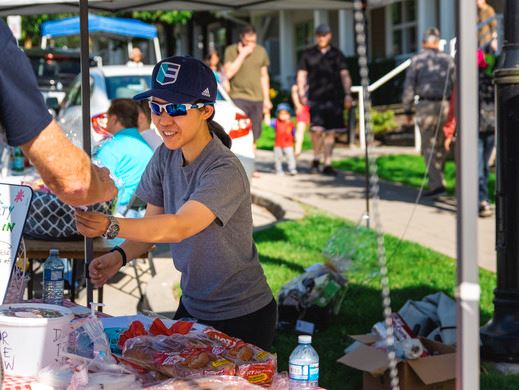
(113,82)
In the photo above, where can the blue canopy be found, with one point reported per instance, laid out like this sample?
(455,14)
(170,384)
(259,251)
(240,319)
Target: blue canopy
(116,26)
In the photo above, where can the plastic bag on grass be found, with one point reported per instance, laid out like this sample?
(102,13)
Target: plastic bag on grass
(352,249)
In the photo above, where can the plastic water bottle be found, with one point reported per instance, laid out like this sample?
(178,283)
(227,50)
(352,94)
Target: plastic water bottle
(53,281)
(303,365)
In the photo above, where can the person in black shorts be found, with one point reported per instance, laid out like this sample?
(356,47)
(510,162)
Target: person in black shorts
(321,73)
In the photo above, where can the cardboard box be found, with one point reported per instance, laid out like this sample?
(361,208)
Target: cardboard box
(435,372)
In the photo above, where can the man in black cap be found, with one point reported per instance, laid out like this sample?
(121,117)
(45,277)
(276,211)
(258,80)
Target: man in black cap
(431,78)
(324,84)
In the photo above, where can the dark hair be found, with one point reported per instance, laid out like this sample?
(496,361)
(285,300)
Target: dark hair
(126,111)
(208,56)
(216,128)
(431,32)
(247,29)
(144,107)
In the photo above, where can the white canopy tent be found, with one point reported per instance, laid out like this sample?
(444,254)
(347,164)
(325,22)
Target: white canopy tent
(467,284)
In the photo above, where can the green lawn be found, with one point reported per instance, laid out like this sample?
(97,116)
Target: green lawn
(415,271)
(407,169)
(266,141)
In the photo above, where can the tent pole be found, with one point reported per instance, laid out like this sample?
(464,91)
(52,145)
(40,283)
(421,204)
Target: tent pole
(85,109)
(467,289)
(158,55)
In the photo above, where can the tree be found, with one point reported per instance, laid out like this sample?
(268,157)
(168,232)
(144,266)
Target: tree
(31,27)
(163,17)
(167,20)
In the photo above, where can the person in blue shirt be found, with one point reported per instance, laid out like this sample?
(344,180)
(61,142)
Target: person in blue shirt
(127,153)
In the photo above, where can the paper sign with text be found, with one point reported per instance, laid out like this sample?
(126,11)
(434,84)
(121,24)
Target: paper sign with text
(15,201)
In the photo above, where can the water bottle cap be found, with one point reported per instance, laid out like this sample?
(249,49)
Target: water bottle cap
(54,252)
(304,339)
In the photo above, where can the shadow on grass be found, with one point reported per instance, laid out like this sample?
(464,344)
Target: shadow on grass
(268,260)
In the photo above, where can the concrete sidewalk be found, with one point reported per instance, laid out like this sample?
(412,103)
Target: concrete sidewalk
(431,223)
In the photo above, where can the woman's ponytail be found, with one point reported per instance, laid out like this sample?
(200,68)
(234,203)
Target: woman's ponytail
(218,130)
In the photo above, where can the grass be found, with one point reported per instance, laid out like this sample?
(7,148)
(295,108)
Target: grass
(266,141)
(408,170)
(288,248)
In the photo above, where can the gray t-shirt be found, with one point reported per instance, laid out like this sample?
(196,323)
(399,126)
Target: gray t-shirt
(221,274)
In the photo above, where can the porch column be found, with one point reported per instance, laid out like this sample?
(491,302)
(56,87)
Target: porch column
(286,49)
(389,31)
(426,18)
(320,17)
(447,25)
(346,32)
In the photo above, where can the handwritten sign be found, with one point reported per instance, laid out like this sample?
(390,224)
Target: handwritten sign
(15,201)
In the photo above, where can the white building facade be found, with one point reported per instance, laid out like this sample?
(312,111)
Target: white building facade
(395,28)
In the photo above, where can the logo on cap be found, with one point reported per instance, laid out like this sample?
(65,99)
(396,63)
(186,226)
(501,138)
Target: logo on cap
(168,73)
(206,93)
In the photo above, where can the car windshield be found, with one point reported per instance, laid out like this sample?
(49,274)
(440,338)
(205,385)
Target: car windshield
(54,68)
(126,86)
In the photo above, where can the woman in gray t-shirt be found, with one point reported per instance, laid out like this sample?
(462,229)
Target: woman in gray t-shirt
(198,201)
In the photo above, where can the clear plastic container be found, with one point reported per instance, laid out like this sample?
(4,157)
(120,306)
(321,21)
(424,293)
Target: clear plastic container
(303,365)
(53,279)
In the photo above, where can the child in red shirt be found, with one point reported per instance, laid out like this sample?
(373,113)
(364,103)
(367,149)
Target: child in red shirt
(284,141)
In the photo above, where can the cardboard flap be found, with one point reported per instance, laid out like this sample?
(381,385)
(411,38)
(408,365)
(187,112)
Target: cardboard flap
(367,339)
(435,369)
(366,359)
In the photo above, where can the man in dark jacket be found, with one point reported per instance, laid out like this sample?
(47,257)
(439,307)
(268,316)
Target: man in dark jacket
(431,77)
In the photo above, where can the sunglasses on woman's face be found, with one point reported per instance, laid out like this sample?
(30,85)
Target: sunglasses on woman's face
(173,109)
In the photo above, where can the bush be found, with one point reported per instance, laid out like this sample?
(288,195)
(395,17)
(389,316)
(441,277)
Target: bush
(383,121)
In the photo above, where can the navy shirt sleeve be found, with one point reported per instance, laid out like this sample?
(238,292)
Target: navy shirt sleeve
(23,113)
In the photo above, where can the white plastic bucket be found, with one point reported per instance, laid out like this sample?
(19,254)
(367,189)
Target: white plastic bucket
(29,344)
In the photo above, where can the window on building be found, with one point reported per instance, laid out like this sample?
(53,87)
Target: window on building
(404,26)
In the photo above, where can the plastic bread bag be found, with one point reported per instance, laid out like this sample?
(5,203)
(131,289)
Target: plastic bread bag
(223,382)
(177,355)
(252,363)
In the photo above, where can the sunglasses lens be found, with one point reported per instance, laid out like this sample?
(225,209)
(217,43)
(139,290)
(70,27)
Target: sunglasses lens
(155,108)
(176,109)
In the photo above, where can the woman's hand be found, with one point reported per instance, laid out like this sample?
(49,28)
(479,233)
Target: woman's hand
(91,224)
(102,268)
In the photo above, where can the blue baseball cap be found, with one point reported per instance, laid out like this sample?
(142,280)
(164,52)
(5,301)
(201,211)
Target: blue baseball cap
(285,107)
(180,80)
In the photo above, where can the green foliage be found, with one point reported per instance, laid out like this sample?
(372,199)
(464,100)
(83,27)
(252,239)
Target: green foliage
(383,121)
(167,17)
(279,95)
(414,271)
(31,25)
(408,170)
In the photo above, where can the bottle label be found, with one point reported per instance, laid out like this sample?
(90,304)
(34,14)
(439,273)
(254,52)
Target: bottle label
(53,275)
(306,372)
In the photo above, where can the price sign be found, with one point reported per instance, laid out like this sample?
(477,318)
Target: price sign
(15,201)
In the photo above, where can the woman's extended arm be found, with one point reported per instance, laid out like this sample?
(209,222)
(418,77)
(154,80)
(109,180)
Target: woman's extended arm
(191,218)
